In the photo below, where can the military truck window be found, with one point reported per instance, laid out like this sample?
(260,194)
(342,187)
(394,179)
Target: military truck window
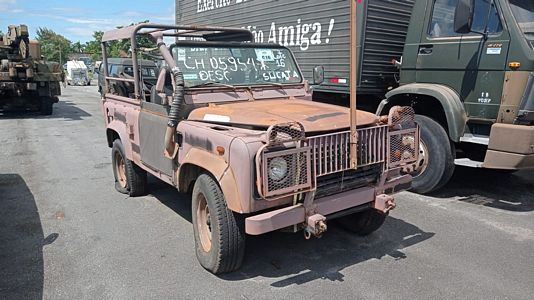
(236,65)
(442,24)
(524,15)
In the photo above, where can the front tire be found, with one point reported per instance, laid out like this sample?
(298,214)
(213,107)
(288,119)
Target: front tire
(436,166)
(130,179)
(363,223)
(219,233)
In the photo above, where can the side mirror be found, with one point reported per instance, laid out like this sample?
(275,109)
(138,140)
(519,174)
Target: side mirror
(463,17)
(318,75)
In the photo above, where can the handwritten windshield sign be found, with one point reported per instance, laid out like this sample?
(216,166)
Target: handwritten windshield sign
(236,66)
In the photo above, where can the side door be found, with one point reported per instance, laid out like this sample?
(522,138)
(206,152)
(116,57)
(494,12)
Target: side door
(153,120)
(470,64)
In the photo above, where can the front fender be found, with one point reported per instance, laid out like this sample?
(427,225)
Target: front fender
(219,169)
(450,101)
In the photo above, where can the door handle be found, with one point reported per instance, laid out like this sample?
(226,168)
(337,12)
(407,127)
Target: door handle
(425,49)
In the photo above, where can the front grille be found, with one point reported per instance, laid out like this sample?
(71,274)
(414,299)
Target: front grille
(331,152)
(347,180)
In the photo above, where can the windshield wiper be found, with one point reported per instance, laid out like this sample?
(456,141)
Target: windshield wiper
(208,83)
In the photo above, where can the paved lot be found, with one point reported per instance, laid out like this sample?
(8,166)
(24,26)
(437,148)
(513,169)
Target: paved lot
(65,233)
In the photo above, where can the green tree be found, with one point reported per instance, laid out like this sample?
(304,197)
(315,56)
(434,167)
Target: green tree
(54,46)
(94,47)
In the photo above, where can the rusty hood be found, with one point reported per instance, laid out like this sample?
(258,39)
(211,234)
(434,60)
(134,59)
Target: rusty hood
(314,116)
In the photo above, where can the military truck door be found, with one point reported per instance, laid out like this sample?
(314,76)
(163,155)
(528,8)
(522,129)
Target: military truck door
(152,126)
(470,64)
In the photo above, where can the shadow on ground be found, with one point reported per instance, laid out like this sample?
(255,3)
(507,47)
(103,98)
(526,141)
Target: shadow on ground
(492,188)
(22,241)
(66,110)
(294,260)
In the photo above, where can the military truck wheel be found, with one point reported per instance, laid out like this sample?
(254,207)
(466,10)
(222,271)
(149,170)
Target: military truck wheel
(363,223)
(47,106)
(129,178)
(436,161)
(219,233)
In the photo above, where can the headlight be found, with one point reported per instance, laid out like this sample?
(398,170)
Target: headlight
(277,169)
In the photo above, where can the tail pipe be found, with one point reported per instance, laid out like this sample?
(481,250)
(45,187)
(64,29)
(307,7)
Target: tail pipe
(174,114)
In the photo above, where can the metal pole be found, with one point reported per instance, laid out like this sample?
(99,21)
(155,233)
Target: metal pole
(353,83)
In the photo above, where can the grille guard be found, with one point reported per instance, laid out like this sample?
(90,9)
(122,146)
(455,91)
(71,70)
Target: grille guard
(393,145)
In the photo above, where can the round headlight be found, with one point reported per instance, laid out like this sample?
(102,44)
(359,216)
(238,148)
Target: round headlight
(277,169)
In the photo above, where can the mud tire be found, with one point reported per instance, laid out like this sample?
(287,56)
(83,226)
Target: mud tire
(363,223)
(226,229)
(135,182)
(47,106)
(440,165)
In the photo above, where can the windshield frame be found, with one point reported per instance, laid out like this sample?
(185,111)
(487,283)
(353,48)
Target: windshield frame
(207,44)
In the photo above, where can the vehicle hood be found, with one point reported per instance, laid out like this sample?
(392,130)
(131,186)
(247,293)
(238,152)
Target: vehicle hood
(314,116)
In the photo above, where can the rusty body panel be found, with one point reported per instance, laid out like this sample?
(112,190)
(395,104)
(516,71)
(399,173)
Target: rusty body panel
(515,83)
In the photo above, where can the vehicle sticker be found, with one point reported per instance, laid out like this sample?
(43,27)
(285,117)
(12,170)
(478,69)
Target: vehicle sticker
(493,51)
(264,54)
(190,76)
(216,118)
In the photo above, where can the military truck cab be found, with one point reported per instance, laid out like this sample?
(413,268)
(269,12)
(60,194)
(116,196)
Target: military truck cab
(231,122)
(467,70)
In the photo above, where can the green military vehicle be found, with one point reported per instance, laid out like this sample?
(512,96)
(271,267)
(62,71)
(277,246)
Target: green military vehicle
(26,81)
(467,68)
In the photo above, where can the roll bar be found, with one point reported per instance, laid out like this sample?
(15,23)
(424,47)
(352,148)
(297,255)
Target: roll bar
(157,32)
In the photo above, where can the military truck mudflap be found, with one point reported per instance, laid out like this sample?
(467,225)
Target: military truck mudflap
(330,206)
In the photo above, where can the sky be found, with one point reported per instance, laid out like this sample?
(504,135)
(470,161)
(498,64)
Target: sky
(77,20)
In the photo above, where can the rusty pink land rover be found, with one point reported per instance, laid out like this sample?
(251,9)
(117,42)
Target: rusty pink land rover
(232,123)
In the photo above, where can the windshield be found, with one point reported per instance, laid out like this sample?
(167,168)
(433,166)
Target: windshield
(524,14)
(236,65)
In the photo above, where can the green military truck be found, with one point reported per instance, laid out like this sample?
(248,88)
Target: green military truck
(465,66)
(26,82)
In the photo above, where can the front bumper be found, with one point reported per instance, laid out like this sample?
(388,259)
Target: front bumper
(510,147)
(299,214)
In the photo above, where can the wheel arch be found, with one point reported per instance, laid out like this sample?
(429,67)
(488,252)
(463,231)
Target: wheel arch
(116,130)
(197,162)
(424,98)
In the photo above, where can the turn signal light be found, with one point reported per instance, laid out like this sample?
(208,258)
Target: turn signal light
(220,150)
(514,65)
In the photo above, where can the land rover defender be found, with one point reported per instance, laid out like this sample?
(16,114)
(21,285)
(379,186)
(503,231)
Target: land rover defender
(232,123)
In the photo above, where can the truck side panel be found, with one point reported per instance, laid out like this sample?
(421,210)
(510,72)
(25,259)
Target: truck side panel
(317,31)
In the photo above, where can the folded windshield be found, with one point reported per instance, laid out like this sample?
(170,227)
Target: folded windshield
(236,66)
(524,14)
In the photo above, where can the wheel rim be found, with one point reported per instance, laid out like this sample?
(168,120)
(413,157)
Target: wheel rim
(120,168)
(419,167)
(204,223)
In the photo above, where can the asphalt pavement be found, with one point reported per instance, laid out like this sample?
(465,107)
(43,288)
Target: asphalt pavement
(65,233)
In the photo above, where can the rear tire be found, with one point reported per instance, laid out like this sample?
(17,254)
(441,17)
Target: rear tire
(47,106)
(130,179)
(439,164)
(363,223)
(219,232)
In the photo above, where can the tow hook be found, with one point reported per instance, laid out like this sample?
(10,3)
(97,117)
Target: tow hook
(316,226)
(384,203)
